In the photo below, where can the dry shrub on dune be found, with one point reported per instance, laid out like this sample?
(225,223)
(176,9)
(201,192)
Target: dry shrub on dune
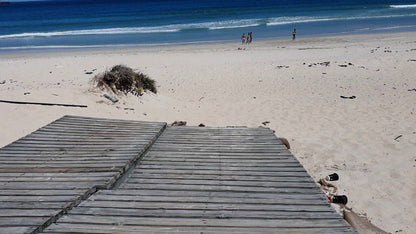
(124,79)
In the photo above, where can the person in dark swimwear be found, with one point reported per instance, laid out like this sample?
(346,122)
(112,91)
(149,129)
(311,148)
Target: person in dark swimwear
(294,34)
(250,37)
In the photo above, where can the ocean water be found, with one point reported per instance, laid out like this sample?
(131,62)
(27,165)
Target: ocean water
(100,23)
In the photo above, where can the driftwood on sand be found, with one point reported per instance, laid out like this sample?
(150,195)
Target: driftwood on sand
(44,104)
(360,224)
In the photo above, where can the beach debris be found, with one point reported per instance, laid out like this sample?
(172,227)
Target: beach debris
(411,60)
(331,190)
(360,224)
(397,138)
(284,142)
(280,67)
(332,177)
(201,125)
(127,108)
(124,79)
(265,123)
(241,48)
(342,65)
(3,82)
(178,123)
(411,90)
(350,97)
(324,64)
(111,98)
(26,93)
(90,72)
(44,103)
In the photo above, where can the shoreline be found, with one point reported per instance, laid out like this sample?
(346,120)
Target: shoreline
(295,85)
(202,44)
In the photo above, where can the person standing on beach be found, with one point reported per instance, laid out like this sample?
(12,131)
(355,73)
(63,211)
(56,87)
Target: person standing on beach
(243,38)
(249,37)
(294,34)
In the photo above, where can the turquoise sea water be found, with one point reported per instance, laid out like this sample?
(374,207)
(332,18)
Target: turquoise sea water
(76,23)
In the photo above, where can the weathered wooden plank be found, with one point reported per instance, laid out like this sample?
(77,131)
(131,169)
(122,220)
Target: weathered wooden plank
(54,179)
(58,174)
(28,212)
(49,163)
(219,159)
(62,158)
(40,198)
(115,228)
(46,192)
(60,169)
(270,178)
(223,168)
(71,153)
(92,228)
(187,222)
(74,118)
(20,229)
(209,206)
(277,200)
(20,222)
(32,205)
(221,188)
(47,185)
(210,214)
(214,194)
(251,184)
(290,173)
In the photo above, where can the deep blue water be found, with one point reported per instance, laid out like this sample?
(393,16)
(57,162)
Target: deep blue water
(67,23)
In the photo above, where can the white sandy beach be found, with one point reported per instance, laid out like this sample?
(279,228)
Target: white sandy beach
(370,141)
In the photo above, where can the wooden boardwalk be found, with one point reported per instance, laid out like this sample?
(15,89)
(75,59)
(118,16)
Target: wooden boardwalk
(53,169)
(211,180)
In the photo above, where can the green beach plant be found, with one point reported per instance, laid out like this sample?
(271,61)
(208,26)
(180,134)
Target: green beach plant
(124,79)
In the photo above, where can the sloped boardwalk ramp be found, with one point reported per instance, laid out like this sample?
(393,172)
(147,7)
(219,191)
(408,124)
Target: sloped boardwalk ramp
(53,169)
(210,180)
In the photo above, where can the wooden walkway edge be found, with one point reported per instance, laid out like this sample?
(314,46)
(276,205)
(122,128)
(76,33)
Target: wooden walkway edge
(48,172)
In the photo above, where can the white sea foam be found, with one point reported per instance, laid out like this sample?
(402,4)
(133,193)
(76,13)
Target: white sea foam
(94,32)
(216,25)
(403,6)
(292,20)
